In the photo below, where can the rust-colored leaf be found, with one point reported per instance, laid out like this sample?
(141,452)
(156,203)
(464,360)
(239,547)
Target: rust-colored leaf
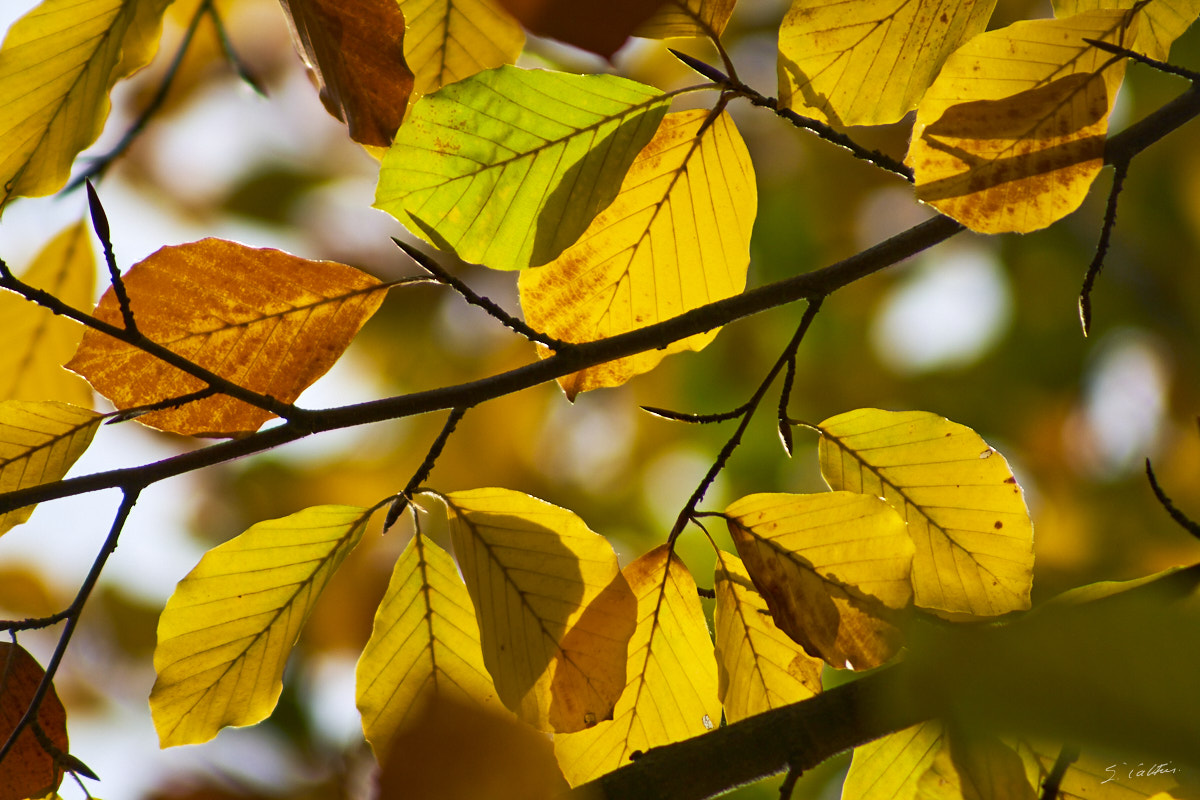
(264,319)
(355,49)
(29,769)
(600,26)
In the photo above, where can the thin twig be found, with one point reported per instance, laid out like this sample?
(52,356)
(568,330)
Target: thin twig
(1120,170)
(104,234)
(161,405)
(1188,524)
(789,783)
(404,498)
(33,623)
(239,66)
(785,399)
(1161,66)
(696,419)
(1067,756)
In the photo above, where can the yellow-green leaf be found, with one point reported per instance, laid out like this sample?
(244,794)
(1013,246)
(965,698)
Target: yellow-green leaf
(832,568)
(555,613)
(447,41)
(1160,22)
(1011,134)
(508,167)
(672,691)
(38,342)
(677,237)
(57,66)
(425,642)
(965,512)
(227,630)
(39,441)
(677,18)
(266,320)
(891,768)
(759,667)
(975,767)
(869,62)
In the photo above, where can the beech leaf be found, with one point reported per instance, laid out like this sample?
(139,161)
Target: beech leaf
(508,167)
(965,512)
(29,769)
(975,767)
(263,319)
(226,632)
(1160,23)
(891,768)
(676,237)
(679,18)
(450,40)
(555,613)
(672,689)
(600,26)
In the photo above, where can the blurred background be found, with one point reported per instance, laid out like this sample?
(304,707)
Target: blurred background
(981,330)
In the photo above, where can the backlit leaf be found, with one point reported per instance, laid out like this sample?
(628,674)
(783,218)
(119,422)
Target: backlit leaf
(266,320)
(891,768)
(450,40)
(37,342)
(425,642)
(39,441)
(1011,135)
(975,767)
(555,613)
(460,750)
(831,567)
(355,49)
(760,668)
(227,630)
(600,26)
(677,237)
(869,62)
(57,66)
(672,691)
(965,512)
(508,167)
(1092,777)
(29,770)
(1160,23)
(676,18)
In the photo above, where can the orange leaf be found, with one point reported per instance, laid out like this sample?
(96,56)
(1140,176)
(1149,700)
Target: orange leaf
(600,26)
(266,320)
(29,770)
(355,49)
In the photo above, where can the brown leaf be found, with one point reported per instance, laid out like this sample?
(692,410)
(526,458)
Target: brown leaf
(264,319)
(29,770)
(355,49)
(600,26)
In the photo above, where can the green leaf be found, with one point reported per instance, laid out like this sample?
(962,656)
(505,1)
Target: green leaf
(508,167)
(226,632)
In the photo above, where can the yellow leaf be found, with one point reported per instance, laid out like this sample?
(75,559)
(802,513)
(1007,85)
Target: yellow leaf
(868,63)
(831,567)
(425,642)
(227,630)
(678,18)
(975,768)
(1094,777)
(449,40)
(57,66)
(965,512)
(39,441)
(676,237)
(891,768)
(455,751)
(38,342)
(555,613)
(1161,22)
(1023,151)
(672,691)
(759,667)
(266,320)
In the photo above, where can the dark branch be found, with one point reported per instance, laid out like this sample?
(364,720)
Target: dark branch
(104,234)
(1161,66)
(1093,270)
(422,473)
(1188,524)
(1067,756)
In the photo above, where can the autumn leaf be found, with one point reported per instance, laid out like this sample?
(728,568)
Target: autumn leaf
(266,320)
(29,769)
(965,512)
(672,690)
(37,341)
(227,630)
(758,665)
(600,26)
(355,51)
(868,63)
(891,768)
(1011,134)
(1091,776)
(508,167)
(555,613)
(975,767)
(459,750)
(57,65)
(832,568)
(678,18)
(39,441)
(676,237)
(450,40)
(425,643)
(1160,23)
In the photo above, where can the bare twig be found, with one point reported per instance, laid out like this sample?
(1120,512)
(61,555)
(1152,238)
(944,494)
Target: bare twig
(1188,524)
(1093,270)
(1161,66)
(104,234)
(404,498)
(1067,756)
(697,419)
